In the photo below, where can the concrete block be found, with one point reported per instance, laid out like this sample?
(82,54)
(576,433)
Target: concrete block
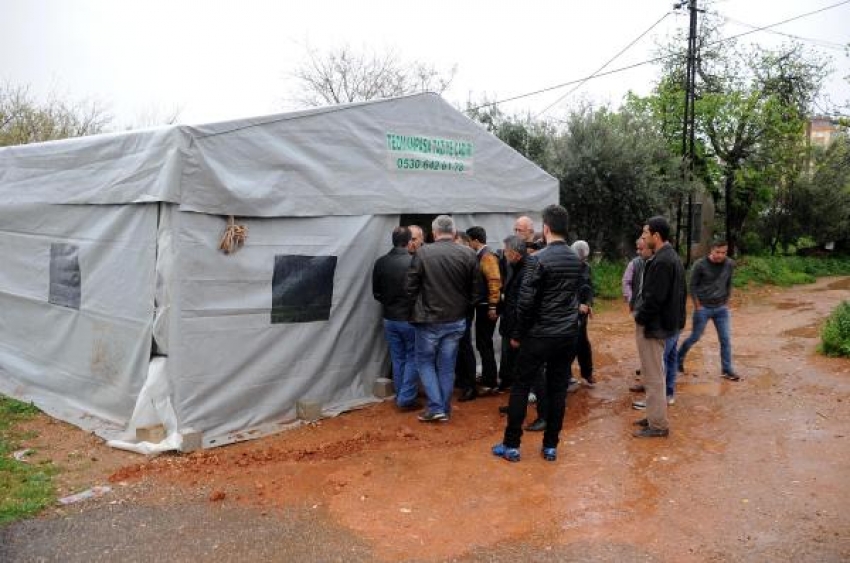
(308,410)
(192,440)
(383,388)
(153,434)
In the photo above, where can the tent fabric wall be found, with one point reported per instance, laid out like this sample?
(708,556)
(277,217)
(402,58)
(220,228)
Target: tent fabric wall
(137,217)
(230,367)
(89,361)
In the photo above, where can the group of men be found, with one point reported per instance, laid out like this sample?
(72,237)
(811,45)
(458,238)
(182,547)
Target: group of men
(432,293)
(654,287)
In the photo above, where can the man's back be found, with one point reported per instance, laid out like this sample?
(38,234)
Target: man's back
(388,278)
(548,299)
(443,280)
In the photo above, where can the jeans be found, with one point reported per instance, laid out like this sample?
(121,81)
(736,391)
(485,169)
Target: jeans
(401,339)
(436,353)
(556,354)
(722,322)
(671,363)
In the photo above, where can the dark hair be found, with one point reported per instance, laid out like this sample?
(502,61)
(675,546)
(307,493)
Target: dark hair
(462,236)
(478,234)
(659,224)
(557,219)
(719,243)
(401,236)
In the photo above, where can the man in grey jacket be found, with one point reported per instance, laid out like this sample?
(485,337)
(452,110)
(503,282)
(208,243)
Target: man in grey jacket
(711,287)
(442,285)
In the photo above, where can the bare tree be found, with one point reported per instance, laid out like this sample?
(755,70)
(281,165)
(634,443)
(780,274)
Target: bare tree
(23,119)
(343,75)
(154,115)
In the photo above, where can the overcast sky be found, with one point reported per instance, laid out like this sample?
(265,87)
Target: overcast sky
(217,60)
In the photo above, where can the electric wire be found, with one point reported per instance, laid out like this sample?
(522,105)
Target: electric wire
(652,60)
(600,69)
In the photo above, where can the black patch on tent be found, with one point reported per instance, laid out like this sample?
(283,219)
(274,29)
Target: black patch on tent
(65,278)
(302,288)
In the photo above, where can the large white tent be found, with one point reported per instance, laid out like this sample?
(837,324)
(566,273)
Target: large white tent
(117,309)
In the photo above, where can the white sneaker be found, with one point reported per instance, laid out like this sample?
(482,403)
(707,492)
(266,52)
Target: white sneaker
(671,401)
(532,398)
(639,405)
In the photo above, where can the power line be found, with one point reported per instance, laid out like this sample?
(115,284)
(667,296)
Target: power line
(600,69)
(653,60)
(766,27)
(820,42)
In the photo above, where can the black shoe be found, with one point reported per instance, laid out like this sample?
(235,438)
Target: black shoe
(643,423)
(649,432)
(731,376)
(680,368)
(538,425)
(468,395)
(503,409)
(637,388)
(637,372)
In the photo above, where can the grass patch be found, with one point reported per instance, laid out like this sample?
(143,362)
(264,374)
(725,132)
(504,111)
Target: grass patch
(835,334)
(787,270)
(781,271)
(25,489)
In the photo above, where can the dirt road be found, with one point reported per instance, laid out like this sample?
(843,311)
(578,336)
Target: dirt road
(757,470)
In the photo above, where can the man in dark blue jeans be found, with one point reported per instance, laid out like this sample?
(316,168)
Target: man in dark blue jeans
(711,287)
(388,277)
(545,330)
(441,285)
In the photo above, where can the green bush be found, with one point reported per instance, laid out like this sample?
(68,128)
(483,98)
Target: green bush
(835,335)
(607,277)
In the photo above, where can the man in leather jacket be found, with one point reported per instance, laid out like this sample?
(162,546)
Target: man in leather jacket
(659,315)
(388,278)
(442,284)
(544,331)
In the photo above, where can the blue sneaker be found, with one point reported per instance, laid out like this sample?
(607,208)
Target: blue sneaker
(549,454)
(510,454)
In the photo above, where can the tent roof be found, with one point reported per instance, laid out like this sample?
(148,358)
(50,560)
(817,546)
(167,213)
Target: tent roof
(414,154)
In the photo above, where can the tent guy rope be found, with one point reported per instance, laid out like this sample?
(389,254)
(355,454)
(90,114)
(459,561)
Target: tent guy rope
(234,236)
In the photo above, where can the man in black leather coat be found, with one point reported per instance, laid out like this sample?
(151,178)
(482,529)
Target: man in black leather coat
(544,331)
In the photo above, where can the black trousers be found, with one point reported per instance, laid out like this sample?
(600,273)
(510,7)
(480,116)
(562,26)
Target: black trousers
(556,354)
(507,368)
(484,329)
(584,352)
(465,363)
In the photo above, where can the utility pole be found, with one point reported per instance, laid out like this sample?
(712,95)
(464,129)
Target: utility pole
(688,149)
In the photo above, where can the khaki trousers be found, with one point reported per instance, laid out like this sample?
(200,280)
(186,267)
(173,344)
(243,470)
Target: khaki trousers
(651,353)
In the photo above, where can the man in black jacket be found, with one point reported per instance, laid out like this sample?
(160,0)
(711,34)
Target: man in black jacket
(544,331)
(660,314)
(388,277)
(442,284)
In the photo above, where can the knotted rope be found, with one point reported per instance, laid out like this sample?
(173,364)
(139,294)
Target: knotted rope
(234,236)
